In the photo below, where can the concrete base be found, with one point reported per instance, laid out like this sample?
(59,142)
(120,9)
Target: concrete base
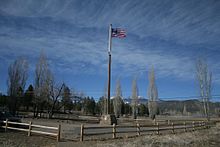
(108,119)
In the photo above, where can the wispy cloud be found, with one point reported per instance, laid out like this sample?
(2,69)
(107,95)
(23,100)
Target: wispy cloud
(181,21)
(165,34)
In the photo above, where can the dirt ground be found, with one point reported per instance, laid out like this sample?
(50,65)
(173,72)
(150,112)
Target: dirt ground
(201,138)
(20,139)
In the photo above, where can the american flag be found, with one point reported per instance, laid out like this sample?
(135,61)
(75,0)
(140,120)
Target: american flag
(118,32)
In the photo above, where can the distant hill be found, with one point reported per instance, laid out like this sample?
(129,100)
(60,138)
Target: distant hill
(171,107)
(191,106)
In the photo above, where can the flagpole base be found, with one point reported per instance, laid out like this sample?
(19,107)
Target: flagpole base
(108,119)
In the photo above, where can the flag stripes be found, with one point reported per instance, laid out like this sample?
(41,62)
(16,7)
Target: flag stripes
(118,32)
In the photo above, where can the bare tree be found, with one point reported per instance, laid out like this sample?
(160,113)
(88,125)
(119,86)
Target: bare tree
(152,95)
(43,79)
(56,92)
(17,77)
(204,77)
(134,98)
(117,101)
(184,110)
(102,103)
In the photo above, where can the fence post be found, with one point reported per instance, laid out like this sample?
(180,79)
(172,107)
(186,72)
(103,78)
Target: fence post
(138,129)
(82,132)
(29,130)
(206,124)
(193,126)
(6,125)
(173,128)
(58,133)
(184,126)
(203,123)
(114,131)
(158,129)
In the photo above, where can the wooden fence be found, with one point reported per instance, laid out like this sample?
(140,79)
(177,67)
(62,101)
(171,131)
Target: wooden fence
(115,130)
(32,128)
(141,129)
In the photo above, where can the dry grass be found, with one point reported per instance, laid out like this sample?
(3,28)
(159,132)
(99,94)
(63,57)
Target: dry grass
(20,139)
(201,138)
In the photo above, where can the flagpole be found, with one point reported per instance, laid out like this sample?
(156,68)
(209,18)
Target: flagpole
(109,68)
(110,39)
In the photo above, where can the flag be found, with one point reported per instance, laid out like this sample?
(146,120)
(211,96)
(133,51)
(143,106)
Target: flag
(118,32)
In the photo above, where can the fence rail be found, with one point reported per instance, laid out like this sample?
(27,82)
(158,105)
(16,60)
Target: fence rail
(140,129)
(115,131)
(31,128)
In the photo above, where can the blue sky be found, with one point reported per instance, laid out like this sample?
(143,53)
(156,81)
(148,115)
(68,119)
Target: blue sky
(166,34)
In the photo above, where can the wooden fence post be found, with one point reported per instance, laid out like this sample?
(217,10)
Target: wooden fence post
(203,123)
(82,132)
(193,125)
(184,126)
(138,129)
(173,128)
(6,125)
(208,124)
(158,129)
(58,133)
(114,131)
(29,130)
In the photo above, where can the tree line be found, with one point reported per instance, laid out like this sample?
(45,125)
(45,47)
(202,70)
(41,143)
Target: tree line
(48,96)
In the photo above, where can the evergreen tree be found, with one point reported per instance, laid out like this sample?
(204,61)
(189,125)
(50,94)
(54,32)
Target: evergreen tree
(66,99)
(28,97)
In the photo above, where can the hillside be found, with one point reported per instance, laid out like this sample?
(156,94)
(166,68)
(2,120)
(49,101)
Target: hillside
(192,106)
